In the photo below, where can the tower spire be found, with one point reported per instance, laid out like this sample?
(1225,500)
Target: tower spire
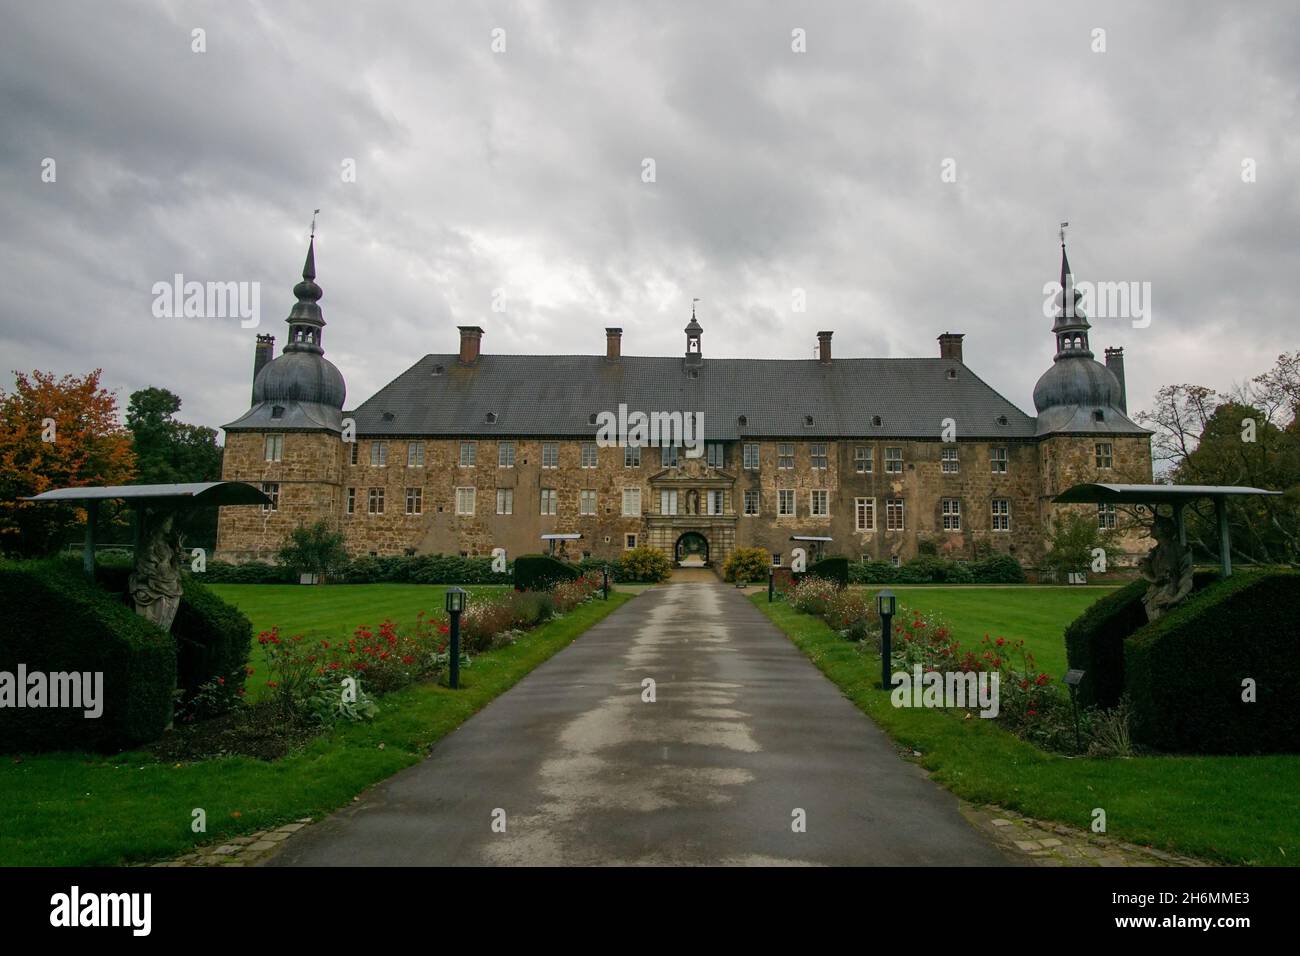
(1071,325)
(305,320)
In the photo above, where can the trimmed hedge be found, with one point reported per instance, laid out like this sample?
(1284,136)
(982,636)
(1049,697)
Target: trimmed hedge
(830,569)
(997,569)
(213,640)
(250,572)
(56,621)
(1183,673)
(538,572)
(397,569)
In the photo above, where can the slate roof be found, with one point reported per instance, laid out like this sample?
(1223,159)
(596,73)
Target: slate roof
(556,395)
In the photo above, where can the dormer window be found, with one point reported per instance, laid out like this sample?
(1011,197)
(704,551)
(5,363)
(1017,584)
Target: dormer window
(877,421)
(1098,415)
(591,419)
(1002,420)
(952,374)
(742,421)
(490,418)
(277,411)
(439,369)
(389,416)
(807,421)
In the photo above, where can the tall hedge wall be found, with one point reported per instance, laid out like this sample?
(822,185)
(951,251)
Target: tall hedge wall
(56,621)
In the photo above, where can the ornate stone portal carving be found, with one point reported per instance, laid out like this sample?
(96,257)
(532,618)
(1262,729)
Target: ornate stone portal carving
(155,584)
(1168,568)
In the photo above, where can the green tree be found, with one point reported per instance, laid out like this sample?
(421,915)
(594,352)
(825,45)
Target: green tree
(313,549)
(167,450)
(1074,542)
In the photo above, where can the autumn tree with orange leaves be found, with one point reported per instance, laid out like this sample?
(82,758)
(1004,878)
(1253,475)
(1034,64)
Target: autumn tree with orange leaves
(55,433)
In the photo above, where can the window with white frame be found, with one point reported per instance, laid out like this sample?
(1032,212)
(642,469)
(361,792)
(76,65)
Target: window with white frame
(862,459)
(1107,517)
(274,447)
(505,501)
(414,501)
(776,559)
(893,461)
(550,454)
(589,454)
(713,501)
(632,456)
(817,454)
(465,501)
(587,502)
(415,454)
(864,514)
(1105,456)
(668,501)
(1001,514)
(751,502)
(998,460)
(785,503)
(352,453)
(352,501)
(819,503)
(951,508)
(949,462)
(375,501)
(272,490)
(629,541)
(785,455)
(632,502)
(715,453)
(894,514)
(505,454)
(378,454)
(468,454)
(751,456)
(550,501)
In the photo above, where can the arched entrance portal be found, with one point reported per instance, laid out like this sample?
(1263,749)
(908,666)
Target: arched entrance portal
(692,550)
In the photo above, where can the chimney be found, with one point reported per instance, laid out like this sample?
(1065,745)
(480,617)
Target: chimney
(824,347)
(613,344)
(470,338)
(950,346)
(263,352)
(1115,362)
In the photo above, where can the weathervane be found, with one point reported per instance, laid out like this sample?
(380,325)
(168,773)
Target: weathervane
(313,222)
(693,301)
(1063,228)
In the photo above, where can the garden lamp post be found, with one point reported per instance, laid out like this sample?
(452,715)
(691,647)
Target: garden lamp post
(605,581)
(1073,678)
(771,584)
(886,604)
(455,604)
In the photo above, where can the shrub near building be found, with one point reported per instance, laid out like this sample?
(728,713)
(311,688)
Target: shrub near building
(747,564)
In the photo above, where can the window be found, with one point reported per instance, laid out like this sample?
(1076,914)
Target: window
(893,461)
(468,454)
(785,456)
(352,454)
(375,501)
(817,452)
(864,514)
(716,455)
(776,559)
(862,460)
(751,456)
(589,454)
(415,454)
(951,514)
(893,514)
(1106,517)
(414,501)
(274,447)
(667,502)
(751,502)
(998,460)
(819,503)
(505,454)
(1001,514)
(464,501)
(505,501)
(550,454)
(352,501)
(629,541)
(1105,459)
(714,502)
(632,503)
(272,490)
(668,456)
(586,502)
(632,456)
(949,463)
(550,501)
(784,503)
(379,454)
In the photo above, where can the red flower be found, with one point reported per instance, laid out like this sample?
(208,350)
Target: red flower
(221,681)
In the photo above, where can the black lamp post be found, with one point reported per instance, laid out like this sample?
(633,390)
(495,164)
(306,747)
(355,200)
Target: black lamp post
(455,604)
(771,584)
(605,580)
(1073,678)
(886,604)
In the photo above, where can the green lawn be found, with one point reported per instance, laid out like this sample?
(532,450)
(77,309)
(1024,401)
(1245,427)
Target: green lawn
(74,809)
(1036,614)
(329,610)
(1231,809)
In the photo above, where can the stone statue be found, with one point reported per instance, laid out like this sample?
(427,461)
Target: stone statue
(155,584)
(1168,568)
(692,502)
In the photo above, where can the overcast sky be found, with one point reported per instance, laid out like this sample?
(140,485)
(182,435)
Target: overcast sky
(522,171)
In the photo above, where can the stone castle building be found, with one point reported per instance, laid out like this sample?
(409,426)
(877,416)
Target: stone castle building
(466,452)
